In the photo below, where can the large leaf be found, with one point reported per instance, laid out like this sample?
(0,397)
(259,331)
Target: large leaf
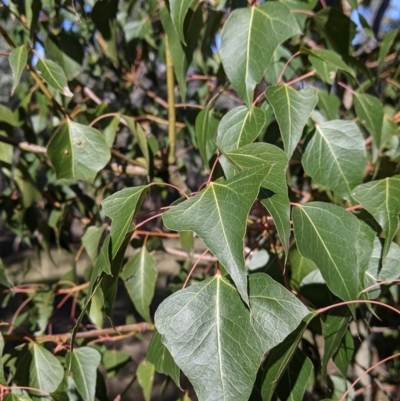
(179,9)
(78,151)
(122,207)
(217,342)
(247,45)
(17,59)
(140,278)
(45,371)
(327,234)
(240,127)
(382,199)
(274,194)
(370,112)
(53,75)
(218,216)
(83,364)
(292,109)
(335,157)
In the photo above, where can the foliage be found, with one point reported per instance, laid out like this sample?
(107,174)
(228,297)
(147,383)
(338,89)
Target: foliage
(258,137)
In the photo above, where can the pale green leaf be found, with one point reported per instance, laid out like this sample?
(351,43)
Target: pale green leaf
(218,216)
(327,72)
(145,375)
(248,41)
(292,109)
(179,9)
(4,280)
(327,234)
(385,46)
(272,161)
(17,59)
(329,103)
(217,342)
(331,58)
(45,371)
(9,117)
(140,276)
(83,364)
(91,241)
(370,112)
(16,397)
(160,357)
(240,127)
(122,207)
(53,75)
(300,267)
(78,151)
(382,199)
(335,157)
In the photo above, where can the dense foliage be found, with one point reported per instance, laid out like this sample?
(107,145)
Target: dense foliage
(256,142)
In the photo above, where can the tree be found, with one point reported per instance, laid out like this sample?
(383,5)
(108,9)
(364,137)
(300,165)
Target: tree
(253,132)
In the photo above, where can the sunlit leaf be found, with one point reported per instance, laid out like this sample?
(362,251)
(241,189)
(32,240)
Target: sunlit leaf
(78,151)
(18,59)
(335,157)
(140,276)
(247,45)
(91,240)
(53,75)
(145,375)
(381,198)
(218,216)
(292,109)
(331,58)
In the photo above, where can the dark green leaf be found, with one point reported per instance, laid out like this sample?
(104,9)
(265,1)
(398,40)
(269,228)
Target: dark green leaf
(145,376)
(91,241)
(329,103)
(18,59)
(292,109)
(335,157)
(2,378)
(218,216)
(140,136)
(344,353)
(300,267)
(78,151)
(53,75)
(83,364)
(140,278)
(332,59)
(382,199)
(4,280)
(247,45)
(179,9)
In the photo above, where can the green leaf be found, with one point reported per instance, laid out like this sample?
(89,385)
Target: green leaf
(2,378)
(45,371)
(215,339)
(17,59)
(296,377)
(300,267)
(327,72)
(77,151)
(335,157)
(91,241)
(16,397)
(205,127)
(83,364)
(327,235)
(370,112)
(160,357)
(122,208)
(113,360)
(218,216)
(278,360)
(9,117)
(140,278)
(334,327)
(177,53)
(4,280)
(179,9)
(385,46)
(273,194)
(382,199)
(145,376)
(240,127)
(337,29)
(247,45)
(344,353)
(292,109)
(329,103)
(54,76)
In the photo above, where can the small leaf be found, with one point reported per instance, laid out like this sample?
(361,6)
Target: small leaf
(240,127)
(382,199)
(140,278)
(17,59)
(4,280)
(247,45)
(54,76)
(329,103)
(179,9)
(385,46)
(77,151)
(370,112)
(45,371)
(335,157)
(218,216)
(145,376)
(300,267)
(2,378)
(292,109)
(327,235)
(160,357)
(83,364)
(122,207)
